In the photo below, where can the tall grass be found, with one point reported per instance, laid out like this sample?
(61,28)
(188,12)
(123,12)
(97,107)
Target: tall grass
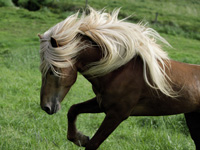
(23,125)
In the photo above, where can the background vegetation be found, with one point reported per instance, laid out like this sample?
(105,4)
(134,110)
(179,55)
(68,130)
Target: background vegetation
(23,125)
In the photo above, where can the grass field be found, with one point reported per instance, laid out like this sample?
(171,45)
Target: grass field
(24,126)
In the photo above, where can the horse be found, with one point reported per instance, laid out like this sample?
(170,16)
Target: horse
(130,73)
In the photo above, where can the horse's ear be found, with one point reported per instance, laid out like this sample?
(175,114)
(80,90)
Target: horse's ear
(39,36)
(54,42)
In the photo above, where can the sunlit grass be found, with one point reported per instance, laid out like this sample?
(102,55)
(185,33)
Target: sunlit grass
(23,125)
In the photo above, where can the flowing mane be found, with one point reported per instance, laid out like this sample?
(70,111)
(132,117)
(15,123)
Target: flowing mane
(119,41)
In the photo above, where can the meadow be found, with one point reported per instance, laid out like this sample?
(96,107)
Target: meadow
(24,126)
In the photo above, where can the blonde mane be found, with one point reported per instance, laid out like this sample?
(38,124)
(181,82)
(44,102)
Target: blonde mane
(119,40)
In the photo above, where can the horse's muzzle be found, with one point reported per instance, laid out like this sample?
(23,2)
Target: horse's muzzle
(51,108)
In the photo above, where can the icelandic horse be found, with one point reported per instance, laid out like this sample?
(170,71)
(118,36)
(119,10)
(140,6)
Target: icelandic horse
(130,74)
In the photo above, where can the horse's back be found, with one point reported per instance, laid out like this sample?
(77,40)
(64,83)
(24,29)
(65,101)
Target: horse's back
(185,79)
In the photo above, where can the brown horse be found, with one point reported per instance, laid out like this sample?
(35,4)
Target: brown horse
(130,74)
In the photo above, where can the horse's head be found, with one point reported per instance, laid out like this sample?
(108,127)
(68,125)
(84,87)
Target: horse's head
(56,86)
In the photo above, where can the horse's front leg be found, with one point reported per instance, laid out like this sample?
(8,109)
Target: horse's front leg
(90,106)
(113,118)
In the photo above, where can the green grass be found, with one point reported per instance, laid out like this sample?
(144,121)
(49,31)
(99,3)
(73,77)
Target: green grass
(7,3)
(180,17)
(23,125)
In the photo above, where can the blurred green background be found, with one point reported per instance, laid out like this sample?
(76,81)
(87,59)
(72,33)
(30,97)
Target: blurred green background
(23,125)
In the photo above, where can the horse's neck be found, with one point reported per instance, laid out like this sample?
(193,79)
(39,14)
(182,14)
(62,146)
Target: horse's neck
(121,76)
(91,54)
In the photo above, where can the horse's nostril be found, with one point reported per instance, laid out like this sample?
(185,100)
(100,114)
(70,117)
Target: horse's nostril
(47,109)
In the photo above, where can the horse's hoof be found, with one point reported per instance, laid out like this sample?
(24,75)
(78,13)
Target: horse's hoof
(81,139)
